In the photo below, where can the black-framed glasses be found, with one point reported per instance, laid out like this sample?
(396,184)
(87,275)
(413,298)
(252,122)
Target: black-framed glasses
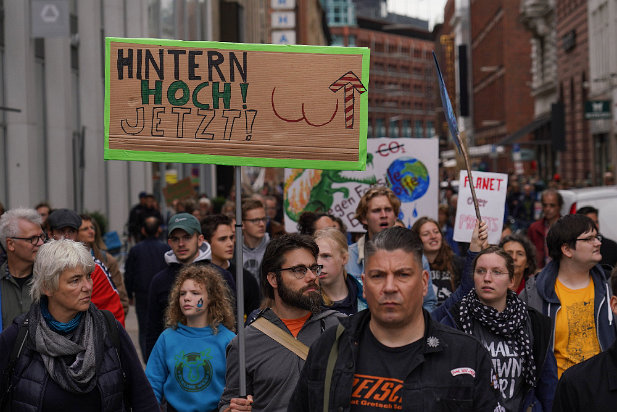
(257,220)
(34,240)
(590,239)
(299,271)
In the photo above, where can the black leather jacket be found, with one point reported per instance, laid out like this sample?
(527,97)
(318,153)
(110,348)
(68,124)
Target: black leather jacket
(433,383)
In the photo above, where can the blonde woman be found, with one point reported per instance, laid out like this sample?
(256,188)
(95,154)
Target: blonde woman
(187,365)
(341,292)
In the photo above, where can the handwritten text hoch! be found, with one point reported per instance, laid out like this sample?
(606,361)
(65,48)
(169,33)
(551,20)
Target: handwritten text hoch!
(218,70)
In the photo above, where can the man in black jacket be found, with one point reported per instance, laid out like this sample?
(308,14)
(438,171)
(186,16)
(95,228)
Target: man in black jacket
(145,260)
(392,356)
(591,385)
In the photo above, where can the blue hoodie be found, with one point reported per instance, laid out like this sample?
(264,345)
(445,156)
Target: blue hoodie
(187,367)
(539,293)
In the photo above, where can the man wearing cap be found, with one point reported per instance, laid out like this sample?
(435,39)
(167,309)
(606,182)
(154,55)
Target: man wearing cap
(64,224)
(187,247)
(21,236)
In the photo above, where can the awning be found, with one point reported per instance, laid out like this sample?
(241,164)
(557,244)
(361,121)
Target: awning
(525,130)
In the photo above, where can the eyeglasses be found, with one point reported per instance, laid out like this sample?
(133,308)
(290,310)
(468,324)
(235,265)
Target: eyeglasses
(483,271)
(257,220)
(34,240)
(300,270)
(590,238)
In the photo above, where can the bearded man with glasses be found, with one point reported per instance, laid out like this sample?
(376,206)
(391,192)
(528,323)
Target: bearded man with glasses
(290,284)
(21,236)
(573,291)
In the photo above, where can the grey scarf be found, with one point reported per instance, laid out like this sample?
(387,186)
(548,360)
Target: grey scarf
(71,359)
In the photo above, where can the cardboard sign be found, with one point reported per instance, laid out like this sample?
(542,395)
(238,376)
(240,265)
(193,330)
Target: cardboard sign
(181,190)
(236,104)
(410,167)
(491,191)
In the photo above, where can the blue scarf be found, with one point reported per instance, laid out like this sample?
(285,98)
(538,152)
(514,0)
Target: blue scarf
(59,327)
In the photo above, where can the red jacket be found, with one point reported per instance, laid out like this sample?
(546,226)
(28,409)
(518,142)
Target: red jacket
(537,234)
(104,294)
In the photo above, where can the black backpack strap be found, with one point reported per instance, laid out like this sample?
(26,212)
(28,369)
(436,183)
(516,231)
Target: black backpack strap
(18,346)
(114,335)
(332,357)
(112,328)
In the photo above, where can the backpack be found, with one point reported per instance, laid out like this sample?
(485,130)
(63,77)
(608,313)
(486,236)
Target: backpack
(20,342)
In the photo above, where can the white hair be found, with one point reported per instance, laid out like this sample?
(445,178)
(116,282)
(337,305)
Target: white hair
(9,222)
(52,259)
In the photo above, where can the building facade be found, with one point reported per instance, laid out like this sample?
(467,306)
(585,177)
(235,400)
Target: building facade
(542,137)
(52,135)
(402,88)
(501,75)
(52,93)
(576,162)
(602,86)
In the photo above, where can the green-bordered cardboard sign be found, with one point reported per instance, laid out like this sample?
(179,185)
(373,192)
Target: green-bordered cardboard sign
(236,104)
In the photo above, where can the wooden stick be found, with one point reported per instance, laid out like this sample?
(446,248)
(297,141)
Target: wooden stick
(461,138)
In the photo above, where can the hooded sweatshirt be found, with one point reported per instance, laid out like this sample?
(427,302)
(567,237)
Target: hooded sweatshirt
(187,367)
(158,294)
(539,293)
(252,257)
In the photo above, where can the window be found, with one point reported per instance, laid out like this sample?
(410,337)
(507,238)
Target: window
(337,40)
(394,131)
(430,129)
(406,128)
(419,132)
(380,128)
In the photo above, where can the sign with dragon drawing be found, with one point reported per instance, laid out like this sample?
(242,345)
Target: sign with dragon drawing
(408,166)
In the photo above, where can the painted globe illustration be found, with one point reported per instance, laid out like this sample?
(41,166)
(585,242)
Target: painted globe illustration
(408,178)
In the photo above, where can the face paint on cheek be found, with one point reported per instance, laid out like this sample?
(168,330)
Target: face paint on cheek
(200,304)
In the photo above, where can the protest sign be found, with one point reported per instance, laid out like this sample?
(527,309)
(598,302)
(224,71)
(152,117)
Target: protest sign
(408,166)
(183,189)
(236,104)
(491,191)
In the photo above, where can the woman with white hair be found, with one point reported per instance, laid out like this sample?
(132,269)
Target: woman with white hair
(65,354)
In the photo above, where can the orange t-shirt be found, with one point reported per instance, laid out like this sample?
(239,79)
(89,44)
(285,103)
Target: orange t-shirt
(294,325)
(575,328)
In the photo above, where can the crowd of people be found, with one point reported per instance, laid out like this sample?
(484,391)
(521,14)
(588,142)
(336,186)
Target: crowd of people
(394,318)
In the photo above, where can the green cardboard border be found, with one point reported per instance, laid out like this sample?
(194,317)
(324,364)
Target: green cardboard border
(149,156)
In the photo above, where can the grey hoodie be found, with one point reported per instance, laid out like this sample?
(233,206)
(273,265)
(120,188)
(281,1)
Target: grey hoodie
(252,257)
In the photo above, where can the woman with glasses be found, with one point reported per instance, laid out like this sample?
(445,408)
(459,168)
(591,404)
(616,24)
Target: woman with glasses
(341,292)
(90,235)
(69,355)
(517,337)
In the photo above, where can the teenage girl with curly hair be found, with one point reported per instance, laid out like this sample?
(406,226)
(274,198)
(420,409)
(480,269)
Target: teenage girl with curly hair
(187,365)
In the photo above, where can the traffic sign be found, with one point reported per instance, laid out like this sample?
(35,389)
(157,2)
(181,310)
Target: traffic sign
(49,18)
